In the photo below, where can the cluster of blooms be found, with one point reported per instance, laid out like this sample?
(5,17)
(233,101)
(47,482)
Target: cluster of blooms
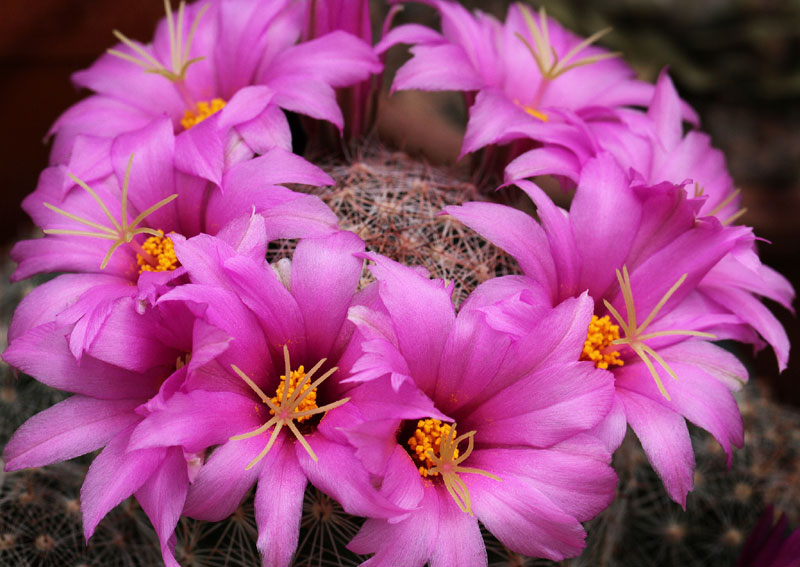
(201,369)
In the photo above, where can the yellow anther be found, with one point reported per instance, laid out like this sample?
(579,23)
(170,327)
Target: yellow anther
(635,333)
(309,399)
(162,250)
(601,335)
(428,437)
(440,444)
(295,403)
(201,111)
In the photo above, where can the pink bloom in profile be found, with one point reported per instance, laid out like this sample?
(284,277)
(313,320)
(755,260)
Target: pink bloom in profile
(534,79)
(213,67)
(653,149)
(131,369)
(273,402)
(641,253)
(503,442)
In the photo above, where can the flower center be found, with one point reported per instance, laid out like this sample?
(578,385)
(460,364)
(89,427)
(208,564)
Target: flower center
(120,232)
(434,446)
(599,339)
(308,399)
(635,333)
(201,111)
(295,403)
(428,437)
(162,250)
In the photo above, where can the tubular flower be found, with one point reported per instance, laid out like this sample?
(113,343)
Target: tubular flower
(534,79)
(222,71)
(641,253)
(486,426)
(274,402)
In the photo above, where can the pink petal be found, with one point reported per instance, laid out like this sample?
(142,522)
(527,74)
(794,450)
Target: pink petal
(59,368)
(664,438)
(576,401)
(198,420)
(70,428)
(443,67)
(115,474)
(223,482)
(162,497)
(325,275)
(336,473)
(421,332)
(279,504)
(459,540)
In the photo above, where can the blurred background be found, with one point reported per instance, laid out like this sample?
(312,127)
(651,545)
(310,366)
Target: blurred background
(736,61)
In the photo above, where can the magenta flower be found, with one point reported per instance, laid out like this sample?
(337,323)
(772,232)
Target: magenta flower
(504,444)
(653,149)
(110,399)
(768,546)
(273,401)
(641,253)
(212,67)
(534,79)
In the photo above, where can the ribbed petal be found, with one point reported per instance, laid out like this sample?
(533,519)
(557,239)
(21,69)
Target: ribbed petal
(325,275)
(198,420)
(664,437)
(459,540)
(223,482)
(76,426)
(279,504)
(422,315)
(59,368)
(162,497)
(115,474)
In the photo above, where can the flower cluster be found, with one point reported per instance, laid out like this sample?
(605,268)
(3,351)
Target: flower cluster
(201,367)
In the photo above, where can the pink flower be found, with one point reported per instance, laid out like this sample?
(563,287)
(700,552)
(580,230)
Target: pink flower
(274,401)
(534,79)
(134,366)
(503,442)
(652,148)
(641,253)
(216,66)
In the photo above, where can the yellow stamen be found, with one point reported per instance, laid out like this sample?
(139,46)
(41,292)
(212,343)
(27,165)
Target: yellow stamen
(447,464)
(201,111)
(163,250)
(635,335)
(548,61)
(120,231)
(179,52)
(297,402)
(601,335)
(427,437)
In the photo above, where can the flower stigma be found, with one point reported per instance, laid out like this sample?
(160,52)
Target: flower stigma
(163,250)
(120,232)
(434,446)
(295,402)
(178,49)
(635,335)
(599,340)
(201,111)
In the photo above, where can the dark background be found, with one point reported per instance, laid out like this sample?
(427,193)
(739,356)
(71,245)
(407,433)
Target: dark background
(736,61)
